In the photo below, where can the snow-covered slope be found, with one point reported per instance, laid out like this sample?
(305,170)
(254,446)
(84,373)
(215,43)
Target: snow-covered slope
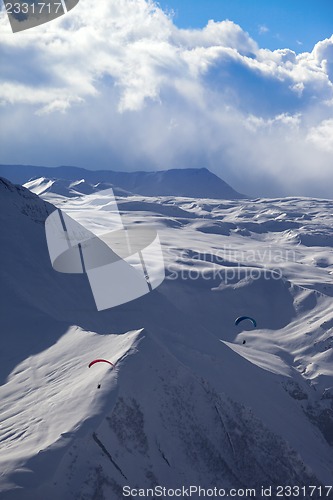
(187,402)
(190,182)
(69,189)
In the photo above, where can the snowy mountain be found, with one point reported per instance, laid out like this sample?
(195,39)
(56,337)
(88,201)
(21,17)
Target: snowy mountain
(70,189)
(189,182)
(188,403)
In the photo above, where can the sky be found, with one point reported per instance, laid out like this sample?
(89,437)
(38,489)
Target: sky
(275,24)
(245,92)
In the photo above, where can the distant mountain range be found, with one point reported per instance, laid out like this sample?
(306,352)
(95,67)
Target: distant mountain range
(73,181)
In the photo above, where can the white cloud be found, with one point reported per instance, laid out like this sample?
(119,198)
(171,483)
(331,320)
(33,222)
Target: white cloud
(322,135)
(262,29)
(122,86)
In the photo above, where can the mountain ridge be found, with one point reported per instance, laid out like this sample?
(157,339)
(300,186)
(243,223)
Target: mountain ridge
(187,182)
(187,402)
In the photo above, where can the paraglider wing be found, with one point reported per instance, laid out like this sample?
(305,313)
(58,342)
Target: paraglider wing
(100,361)
(242,318)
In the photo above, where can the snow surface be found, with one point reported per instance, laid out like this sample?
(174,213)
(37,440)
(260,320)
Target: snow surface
(187,402)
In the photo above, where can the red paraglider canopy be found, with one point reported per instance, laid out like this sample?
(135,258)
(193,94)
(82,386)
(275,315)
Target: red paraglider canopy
(100,361)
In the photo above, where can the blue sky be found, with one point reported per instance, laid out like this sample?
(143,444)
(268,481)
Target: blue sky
(127,87)
(275,24)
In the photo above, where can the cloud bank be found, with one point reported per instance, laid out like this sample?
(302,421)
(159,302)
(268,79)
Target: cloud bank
(119,86)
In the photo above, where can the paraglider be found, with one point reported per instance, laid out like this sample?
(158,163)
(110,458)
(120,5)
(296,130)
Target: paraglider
(100,361)
(243,318)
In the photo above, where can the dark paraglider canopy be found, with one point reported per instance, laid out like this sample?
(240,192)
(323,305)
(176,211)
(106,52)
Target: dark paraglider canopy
(243,318)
